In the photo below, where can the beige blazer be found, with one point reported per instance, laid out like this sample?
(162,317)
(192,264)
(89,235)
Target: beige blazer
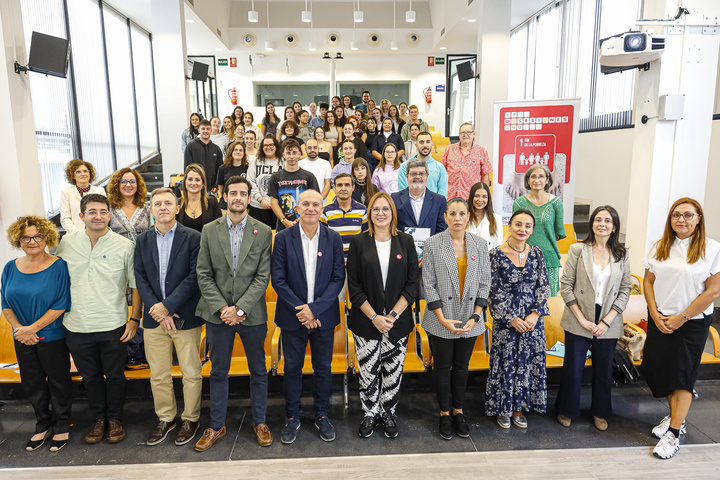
(70,208)
(576,287)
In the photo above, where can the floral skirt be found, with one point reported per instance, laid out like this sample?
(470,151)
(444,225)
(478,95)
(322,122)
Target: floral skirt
(517,380)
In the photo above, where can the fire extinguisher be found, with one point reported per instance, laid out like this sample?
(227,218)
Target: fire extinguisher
(233,96)
(427,93)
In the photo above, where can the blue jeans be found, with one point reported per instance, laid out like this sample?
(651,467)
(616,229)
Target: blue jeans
(221,338)
(321,349)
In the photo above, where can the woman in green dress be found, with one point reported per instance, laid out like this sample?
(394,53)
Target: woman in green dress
(548,212)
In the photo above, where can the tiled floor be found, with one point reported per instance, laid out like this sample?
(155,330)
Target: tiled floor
(635,413)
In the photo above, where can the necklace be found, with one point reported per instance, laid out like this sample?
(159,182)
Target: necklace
(521,253)
(192,212)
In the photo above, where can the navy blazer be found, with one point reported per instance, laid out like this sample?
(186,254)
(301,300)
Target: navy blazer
(289,279)
(181,286)
(432,215)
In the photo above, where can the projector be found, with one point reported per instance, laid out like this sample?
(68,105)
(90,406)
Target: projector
(630,50)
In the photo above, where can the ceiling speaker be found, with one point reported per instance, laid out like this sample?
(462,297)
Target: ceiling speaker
(412,39)
(374,39)
(333,39)
(249,40)
(291,40)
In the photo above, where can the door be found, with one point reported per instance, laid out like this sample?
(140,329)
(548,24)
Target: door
(460,99)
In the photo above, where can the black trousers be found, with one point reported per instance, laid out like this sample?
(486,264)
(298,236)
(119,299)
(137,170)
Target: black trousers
(46,380)
(450,369)
(100,359)
(603,353)
(267,217)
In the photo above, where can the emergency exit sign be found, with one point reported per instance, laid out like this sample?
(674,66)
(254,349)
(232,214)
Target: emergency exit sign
(222,62)
(439,60)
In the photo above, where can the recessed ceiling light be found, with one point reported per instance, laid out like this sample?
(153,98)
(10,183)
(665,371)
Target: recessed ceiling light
(472,20)
(443,48)
(218,49)
(189,20)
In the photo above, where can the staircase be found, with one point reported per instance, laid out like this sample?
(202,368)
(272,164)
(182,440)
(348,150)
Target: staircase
(152,174)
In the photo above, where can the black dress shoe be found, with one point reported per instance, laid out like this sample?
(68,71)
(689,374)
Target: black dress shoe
(35,444)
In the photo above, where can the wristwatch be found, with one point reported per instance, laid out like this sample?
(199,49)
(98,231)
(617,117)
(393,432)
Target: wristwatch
(136,320)
(240,311)
(394,314)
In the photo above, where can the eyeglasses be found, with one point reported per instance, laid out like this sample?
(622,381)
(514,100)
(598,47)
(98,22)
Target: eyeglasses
(26,239)
(538,177)
(687,216)
(379,210)
(467,133)
(269,145)
(416,174)
(95,213)
(123,182)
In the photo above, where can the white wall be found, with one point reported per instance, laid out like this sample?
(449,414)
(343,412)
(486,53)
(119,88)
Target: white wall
(306,68)
(711,205)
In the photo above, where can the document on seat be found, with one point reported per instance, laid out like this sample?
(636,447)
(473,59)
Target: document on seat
(419,235)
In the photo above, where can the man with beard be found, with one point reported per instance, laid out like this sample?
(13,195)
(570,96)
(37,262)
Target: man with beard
(233,271)
(319,167)
(437,180)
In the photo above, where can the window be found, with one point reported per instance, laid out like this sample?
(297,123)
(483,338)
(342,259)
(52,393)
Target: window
(396,92)
(104,111)
(283,94)
(555,55)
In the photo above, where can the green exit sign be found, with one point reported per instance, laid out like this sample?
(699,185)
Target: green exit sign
(439,60)
(222,62)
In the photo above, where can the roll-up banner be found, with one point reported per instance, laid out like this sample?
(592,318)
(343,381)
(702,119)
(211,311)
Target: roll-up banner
(530,132)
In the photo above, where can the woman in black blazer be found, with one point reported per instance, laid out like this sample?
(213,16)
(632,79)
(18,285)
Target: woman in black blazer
(197,208)
(383,275)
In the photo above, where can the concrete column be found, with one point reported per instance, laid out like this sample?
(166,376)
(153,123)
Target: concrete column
(493,52)
(20,187)
(670,158)
(173,100)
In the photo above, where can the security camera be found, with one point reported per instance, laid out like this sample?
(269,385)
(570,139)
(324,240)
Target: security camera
(630,50)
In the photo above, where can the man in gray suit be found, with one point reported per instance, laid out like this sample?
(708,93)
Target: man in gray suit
(233,271)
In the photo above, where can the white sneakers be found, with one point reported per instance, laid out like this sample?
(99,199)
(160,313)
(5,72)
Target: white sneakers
(663,426)
(667,446)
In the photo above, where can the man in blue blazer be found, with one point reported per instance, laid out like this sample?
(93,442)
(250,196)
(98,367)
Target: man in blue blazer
(165,260)
(417,207)
(308,272)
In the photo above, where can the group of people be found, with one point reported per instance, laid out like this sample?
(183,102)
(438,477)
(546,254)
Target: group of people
(181,264)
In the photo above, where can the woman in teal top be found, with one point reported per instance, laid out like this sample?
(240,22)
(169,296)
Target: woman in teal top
(548,212)
(35,295)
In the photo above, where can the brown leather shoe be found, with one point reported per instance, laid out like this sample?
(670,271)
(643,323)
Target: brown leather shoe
(98,431)
(115,431)
(160,432)
(600,423)
(208,439)
(187,432)
(264,437)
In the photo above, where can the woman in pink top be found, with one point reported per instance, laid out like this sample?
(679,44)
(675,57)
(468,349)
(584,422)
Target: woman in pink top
(385,176)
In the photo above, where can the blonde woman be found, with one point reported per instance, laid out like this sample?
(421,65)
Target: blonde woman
(80,174)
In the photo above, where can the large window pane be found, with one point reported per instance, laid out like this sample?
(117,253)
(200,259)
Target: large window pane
(121,88)
(91,85)
(396,92)
(517,69)
(546,54)
(144,91)
(282,94)
(52,109)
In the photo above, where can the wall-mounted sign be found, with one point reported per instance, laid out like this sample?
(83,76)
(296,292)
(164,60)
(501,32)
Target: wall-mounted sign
(431,61)
(439,88)
(439,60)
(233,61)
(222,62)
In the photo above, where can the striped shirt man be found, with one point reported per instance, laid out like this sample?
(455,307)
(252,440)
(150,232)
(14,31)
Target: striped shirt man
(346,223)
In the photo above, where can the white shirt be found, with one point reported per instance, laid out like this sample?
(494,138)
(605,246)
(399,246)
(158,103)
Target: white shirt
(383,253)
(677,283)
(482,230)
(319,167)
(310,255)
(417,204)
(601,278)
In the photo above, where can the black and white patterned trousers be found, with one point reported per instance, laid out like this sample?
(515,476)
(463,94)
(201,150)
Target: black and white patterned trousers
(380,363)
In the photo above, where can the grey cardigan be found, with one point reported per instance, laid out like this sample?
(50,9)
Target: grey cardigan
(442,284)
(577,287)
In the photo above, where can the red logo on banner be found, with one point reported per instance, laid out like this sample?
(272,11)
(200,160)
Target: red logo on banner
(233,61)
(431,61)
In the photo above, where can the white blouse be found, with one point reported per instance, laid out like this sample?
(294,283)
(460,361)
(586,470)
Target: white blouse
(601,278)
(383,253)
(482,230)
(677,283)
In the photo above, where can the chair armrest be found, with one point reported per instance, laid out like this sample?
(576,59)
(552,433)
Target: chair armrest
(640,281)
(275,350)
(636,328)
(424,344)
(203,344)
(715,341)
(351,353)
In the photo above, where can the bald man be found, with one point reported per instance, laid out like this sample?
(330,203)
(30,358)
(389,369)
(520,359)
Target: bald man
(308,272)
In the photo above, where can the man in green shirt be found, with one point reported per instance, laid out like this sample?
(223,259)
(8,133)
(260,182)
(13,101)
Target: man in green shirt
(424,127)
(101,266)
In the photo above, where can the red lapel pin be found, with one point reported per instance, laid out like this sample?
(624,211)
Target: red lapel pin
(319,254)
(473,257)
(399,257)
(255,233)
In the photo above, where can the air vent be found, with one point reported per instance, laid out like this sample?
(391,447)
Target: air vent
(219,33)
(291,40)
(333,39)
(374,39)
(658,47)
(249,40)
(442,32)
(191,2)
(412,39)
